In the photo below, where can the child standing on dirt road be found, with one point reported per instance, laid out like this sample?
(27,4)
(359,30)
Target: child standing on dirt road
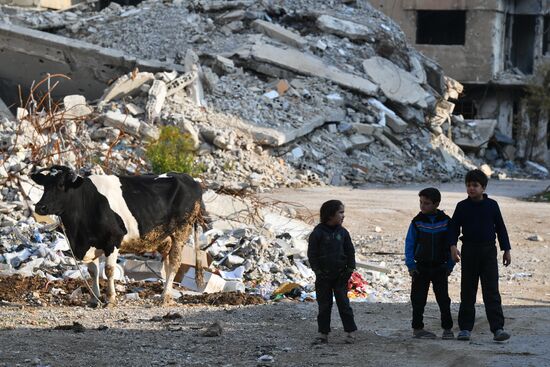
(428,259)
(479,218)
(332,257)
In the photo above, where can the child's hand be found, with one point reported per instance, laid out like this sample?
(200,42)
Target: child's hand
(506,258)
(455,254)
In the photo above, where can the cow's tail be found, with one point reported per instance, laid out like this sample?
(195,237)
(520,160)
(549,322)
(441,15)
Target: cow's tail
(199,275)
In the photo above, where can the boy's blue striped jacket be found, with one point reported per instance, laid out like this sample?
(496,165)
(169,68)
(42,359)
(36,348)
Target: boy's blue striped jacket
(427,241)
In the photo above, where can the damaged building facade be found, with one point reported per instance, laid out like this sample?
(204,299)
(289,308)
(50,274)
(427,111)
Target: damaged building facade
(494,49)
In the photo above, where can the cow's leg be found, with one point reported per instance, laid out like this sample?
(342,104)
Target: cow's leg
(93,269)
(172,263)
(110,264)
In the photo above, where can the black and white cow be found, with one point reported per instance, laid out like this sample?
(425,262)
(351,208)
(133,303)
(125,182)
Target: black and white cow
(105,214)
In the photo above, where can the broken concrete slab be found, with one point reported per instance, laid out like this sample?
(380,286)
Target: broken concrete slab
(280,33)
(27,53)
(484,130)
(307,64)
(359,141)
(379,135)
(122,121)
(345,28)
(388,117)
(396,83)
(216,6)
(278,137)
(366,129)
(407,112)
(127,84)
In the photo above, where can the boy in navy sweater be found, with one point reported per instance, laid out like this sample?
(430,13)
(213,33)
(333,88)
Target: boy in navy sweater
(332,258)
(479,219)
(428,258)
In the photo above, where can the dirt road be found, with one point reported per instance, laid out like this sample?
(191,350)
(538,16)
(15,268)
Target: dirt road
(129,335)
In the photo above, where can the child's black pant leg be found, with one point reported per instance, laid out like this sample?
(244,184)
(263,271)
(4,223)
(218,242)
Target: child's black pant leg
(489,288)
(323,289)
(419,293)
(441,291)
(468,287)
(344,308)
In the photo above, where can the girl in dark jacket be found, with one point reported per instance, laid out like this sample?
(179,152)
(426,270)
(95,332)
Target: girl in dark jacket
(332,258)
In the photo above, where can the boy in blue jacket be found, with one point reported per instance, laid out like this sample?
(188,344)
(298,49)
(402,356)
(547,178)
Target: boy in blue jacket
(427,256)
(480,221)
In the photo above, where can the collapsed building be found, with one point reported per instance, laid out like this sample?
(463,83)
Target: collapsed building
(494,49)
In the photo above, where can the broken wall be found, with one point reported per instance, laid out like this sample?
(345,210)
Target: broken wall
(27,55)
(479,58)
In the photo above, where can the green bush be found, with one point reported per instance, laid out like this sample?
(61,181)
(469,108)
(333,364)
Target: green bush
(172,152)
(538,89)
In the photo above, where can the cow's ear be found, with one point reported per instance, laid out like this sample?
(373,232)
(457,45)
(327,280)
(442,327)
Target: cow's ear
(77,182)
(72,180)
(39,178)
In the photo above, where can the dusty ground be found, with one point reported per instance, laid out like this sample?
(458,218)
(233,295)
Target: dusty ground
(136,333)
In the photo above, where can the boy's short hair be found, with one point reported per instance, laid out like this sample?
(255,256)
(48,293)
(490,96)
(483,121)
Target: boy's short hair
(431,193)
(329,209)
(476,175)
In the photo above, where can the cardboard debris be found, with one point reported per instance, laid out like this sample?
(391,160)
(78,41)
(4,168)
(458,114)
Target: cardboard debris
(212,283)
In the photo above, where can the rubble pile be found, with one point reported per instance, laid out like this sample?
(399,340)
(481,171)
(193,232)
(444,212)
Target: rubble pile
(260,250)
(271,94)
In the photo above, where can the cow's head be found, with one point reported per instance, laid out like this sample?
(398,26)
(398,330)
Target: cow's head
(57,185)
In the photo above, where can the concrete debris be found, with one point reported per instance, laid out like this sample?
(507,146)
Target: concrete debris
(75,107)
(279,33)
(157,95)
(396,83)
(124,86)
(474,134)
(306,64)
(535,238)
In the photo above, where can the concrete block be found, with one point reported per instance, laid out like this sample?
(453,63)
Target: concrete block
(157,96)
(307,64)
(279,33)
(75,106)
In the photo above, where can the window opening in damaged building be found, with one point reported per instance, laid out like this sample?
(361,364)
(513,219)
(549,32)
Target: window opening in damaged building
(441,27)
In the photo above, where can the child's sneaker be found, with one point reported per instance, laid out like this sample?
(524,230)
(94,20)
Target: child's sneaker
(448,334)
(463,335)
(501,335)
(423,334)
(321,339)
(350,338)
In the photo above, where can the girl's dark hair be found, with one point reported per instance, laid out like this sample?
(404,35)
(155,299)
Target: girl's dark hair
(476,175)
(431,193)
(329,209)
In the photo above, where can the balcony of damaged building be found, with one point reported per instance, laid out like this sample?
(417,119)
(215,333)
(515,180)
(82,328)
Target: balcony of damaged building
(497,50)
